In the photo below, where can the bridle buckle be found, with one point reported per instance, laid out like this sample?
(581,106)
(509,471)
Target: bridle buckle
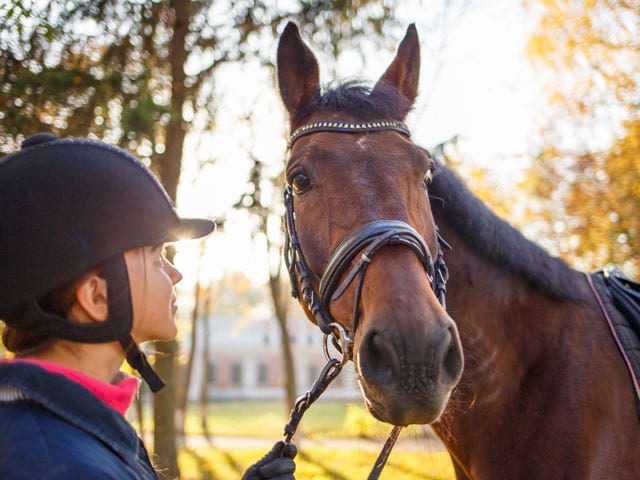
(341,341)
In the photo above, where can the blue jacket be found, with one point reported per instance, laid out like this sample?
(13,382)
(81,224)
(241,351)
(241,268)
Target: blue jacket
(53,428)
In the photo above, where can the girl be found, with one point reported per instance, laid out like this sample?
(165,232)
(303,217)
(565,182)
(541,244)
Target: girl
(83,281)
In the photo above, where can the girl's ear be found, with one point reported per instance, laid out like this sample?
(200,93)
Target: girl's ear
(91,300)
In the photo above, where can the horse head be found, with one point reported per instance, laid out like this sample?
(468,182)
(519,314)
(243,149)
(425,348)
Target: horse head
(365,250)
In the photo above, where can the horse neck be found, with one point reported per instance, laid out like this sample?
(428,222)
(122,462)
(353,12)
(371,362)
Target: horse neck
(506,327)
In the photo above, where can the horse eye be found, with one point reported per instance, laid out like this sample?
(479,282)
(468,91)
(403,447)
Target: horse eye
(428,178)
(301,183)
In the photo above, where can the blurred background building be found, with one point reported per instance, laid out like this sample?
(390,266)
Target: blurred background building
(245,361)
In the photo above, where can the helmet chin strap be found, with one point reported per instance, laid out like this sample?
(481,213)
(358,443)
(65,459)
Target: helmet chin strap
(138,361)
(116,327)
(121,312)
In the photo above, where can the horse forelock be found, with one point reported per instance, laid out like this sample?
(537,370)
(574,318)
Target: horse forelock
(359,100)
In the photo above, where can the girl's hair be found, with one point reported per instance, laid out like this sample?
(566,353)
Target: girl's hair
(23,342)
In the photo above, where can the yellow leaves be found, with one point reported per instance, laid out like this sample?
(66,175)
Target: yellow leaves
(552,5)
(592,54)
(591,201)
(541,48)
(485,188)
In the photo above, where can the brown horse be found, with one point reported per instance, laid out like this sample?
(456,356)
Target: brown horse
(406,349)
(544,393)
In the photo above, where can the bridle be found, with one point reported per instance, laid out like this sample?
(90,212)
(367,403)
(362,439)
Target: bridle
(362,245)
(371,238)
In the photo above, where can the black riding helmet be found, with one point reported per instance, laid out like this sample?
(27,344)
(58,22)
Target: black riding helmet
(66,207)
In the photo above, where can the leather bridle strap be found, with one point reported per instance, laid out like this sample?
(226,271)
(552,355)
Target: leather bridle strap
(299,271)
(348,127)
(371,237)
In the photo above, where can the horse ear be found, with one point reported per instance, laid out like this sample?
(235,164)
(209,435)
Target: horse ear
(404,72)
(298,71)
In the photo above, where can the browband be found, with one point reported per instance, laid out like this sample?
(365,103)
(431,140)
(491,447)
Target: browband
(348,127)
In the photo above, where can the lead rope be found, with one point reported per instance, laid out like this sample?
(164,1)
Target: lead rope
(381,461)
(328,374)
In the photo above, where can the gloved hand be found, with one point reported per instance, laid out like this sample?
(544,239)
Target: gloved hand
(276,465)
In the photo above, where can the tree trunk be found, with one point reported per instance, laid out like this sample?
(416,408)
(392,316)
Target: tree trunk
(164,407)
(204,387)
(280,308)
(183,392)
(169,167)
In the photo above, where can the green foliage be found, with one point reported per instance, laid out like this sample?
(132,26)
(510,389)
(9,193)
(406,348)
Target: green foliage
(106,68)
(140,117)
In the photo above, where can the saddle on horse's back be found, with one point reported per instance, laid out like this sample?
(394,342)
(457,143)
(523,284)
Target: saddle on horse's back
(626,294)
(619,299)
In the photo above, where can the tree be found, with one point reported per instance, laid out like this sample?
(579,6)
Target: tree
(197,315)
(586,176)
(136,74)
(266,214)
(206,366)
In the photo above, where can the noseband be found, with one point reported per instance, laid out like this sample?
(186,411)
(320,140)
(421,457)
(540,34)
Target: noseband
(361,245)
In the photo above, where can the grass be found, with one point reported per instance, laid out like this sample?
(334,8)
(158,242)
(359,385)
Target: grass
(266,419)
(321,463)
(324,420)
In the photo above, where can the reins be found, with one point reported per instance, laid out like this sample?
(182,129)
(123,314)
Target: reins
(328,374)
(365,243)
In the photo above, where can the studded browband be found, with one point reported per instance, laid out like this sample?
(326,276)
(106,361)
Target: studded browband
(348,127)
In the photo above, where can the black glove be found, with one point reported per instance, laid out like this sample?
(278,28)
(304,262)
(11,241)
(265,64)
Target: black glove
(276,465)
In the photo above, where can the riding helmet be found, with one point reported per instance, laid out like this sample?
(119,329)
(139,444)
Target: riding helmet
(70,205)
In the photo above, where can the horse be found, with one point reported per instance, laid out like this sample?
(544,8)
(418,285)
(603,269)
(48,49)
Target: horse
(542,391)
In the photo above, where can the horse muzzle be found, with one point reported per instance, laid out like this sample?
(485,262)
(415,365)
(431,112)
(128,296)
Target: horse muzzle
(408,378)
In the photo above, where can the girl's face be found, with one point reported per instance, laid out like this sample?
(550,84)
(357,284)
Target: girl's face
(152,278)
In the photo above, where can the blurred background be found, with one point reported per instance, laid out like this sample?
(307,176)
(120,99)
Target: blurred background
(534,102)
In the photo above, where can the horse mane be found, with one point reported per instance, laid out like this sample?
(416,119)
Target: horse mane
(495,239)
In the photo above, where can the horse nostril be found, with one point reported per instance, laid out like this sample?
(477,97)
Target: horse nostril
(377,358)
(452,362)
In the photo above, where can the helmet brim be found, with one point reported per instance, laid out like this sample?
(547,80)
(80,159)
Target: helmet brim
(191,229)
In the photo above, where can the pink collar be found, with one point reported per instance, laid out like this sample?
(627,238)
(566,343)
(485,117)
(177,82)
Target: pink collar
(117,395)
